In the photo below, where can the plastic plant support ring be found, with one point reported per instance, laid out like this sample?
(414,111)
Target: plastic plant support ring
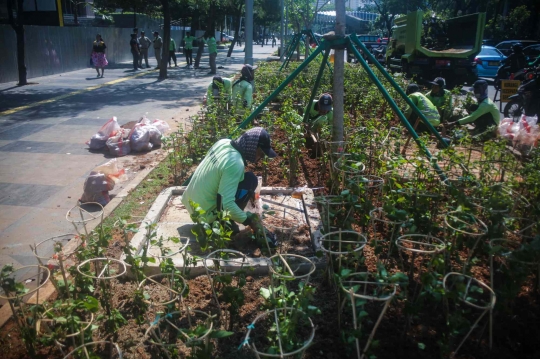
(353,282)
(362,242)
(482,227)
(45,319)
(100,276)
(293,256)
(43,282)
(372,181)
(55,239)
(344,167)
(488,306)
(252,326)
(84,346)
(152,278)
(531,223)
(439,247)
(241,260)
(84,221)
(172,314)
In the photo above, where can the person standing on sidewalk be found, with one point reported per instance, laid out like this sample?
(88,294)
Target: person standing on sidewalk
(172,50)
(158,44)
(135,51)
(98,55)
(188,49)
(274,42)
(144,43)
(212,51)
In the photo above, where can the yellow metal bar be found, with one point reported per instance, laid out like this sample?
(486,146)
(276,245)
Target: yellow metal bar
(60,14)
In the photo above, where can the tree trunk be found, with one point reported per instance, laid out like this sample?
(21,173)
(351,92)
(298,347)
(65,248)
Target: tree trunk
(166,39)
(236,26)
(339,69)
(20,56)
(18,27)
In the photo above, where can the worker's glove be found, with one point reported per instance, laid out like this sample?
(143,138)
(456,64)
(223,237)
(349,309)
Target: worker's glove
(254,222)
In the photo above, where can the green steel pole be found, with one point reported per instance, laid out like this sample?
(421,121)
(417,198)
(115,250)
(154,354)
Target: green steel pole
(280,88)
(396,108)
(317,83)
(398,88)
(319,44)
(290,53)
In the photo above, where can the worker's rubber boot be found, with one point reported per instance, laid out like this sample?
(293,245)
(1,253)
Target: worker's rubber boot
(271,239)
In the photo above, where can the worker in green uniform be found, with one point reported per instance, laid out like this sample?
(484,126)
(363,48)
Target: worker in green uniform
(188,49)
(212,51)
(320,112)
(219,182)
(220,87)
(172,50)
(485,115)
(424,105)
(441,98)
(242,89)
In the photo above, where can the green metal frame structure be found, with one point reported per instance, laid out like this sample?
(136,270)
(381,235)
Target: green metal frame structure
(294,43)
(348,42)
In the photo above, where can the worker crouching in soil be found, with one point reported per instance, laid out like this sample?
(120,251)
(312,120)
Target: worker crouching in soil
(425,106)
(219,182)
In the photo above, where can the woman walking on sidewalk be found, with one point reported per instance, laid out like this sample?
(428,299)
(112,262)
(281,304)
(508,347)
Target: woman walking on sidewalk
(98,55)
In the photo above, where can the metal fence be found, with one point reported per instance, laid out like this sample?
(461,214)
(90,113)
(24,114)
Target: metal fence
(52,50)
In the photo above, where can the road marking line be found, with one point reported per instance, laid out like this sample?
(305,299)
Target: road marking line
(61,97)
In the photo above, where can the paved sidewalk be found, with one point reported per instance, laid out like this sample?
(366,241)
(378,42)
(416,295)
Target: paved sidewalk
(43,129)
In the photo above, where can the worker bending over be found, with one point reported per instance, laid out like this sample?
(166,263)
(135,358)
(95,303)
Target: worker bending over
(219,88)
(242,89)
(424,105)
(486,114)
(441,98)
(219,182)
(320,112)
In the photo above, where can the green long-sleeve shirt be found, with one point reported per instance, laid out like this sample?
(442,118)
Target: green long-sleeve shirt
(443,103)
(172,45)
(315,119)
(224,92)
(486,106)
(242,94)
(219,172)
(188,42)
(212,45)
(425,106)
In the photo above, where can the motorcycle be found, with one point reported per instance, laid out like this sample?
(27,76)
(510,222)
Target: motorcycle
(527,99)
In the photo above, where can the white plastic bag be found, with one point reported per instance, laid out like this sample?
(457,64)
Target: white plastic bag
(505,128)
(99,140)
(162,126)
(144,137)
(112,169)
(140,138)
(119,144)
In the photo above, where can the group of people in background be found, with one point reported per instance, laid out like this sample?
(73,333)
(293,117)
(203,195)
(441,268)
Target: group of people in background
(139,46)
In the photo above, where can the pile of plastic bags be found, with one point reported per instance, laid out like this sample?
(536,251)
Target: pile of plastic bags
(523,133)
(144,136)
(100,181)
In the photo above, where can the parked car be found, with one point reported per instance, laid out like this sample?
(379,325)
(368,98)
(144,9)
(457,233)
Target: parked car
(488,61)
(531,52)
(226,38)
(506,46)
